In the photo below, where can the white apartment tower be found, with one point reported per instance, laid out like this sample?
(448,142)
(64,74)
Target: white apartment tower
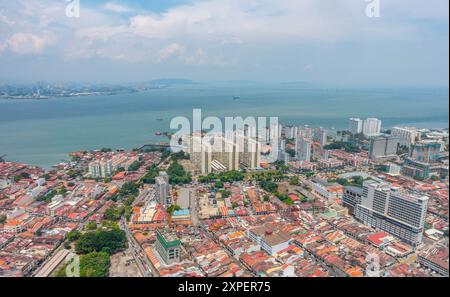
(407,135)
(355,125)
(372,127)
(162,188)
(303,149)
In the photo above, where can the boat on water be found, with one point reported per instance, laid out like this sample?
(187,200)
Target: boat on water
(236,97)
(160,120)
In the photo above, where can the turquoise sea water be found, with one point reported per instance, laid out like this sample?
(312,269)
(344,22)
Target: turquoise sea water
(43,132)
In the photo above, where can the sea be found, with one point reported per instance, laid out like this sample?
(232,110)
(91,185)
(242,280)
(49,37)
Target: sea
(43,132)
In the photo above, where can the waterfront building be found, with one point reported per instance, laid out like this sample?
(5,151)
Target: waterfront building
(355,125)
(372,127)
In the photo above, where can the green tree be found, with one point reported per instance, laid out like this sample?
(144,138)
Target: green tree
(95,264)
(73,235)
(91,226)
(96,241)
(2,219)
(294,181)
(435,178)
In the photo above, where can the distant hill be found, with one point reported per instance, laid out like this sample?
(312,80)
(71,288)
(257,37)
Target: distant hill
(172,81)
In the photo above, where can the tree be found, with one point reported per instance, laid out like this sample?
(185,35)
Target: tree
(95,265)
(218,185)
(435,178)
(152,173)
(342,181)
(294,181)
(73,235)
(97,241)
(173,208)
(113,213)
(129,188)
(2,219)
(135,166)
(177,174)
(91,226)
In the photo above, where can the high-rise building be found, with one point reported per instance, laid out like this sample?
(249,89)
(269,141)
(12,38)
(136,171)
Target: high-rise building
(427,152)
(351,198)
(162,188)
(383,147)
(406,135)
(372,127)
(306,132)
(355,125)
(103,169)
(235,150)
(290,132)
(303,149)
(320,136)
(396,212)
(168,246)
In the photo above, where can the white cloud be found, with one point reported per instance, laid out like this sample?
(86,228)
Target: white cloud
(26,43)
(206,32)
(170,51)
(117,8)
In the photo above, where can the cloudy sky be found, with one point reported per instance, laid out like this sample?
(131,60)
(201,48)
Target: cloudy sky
(321,41)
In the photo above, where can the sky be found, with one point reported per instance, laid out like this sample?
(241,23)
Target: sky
(317,41)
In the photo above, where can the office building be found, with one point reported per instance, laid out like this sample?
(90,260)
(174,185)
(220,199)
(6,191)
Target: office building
(168,246)
(355,125)
(383,147)
(398,213)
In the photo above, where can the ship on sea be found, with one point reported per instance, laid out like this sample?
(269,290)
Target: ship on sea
(236,97)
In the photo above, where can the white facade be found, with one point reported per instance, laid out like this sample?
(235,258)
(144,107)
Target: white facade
(372,127)
(355,125)
(303,149)
(162,188)
(398,213)
(320,136)
(100,169)
(406,135)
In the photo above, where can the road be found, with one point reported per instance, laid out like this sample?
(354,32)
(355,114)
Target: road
(194,208)
(137,252)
